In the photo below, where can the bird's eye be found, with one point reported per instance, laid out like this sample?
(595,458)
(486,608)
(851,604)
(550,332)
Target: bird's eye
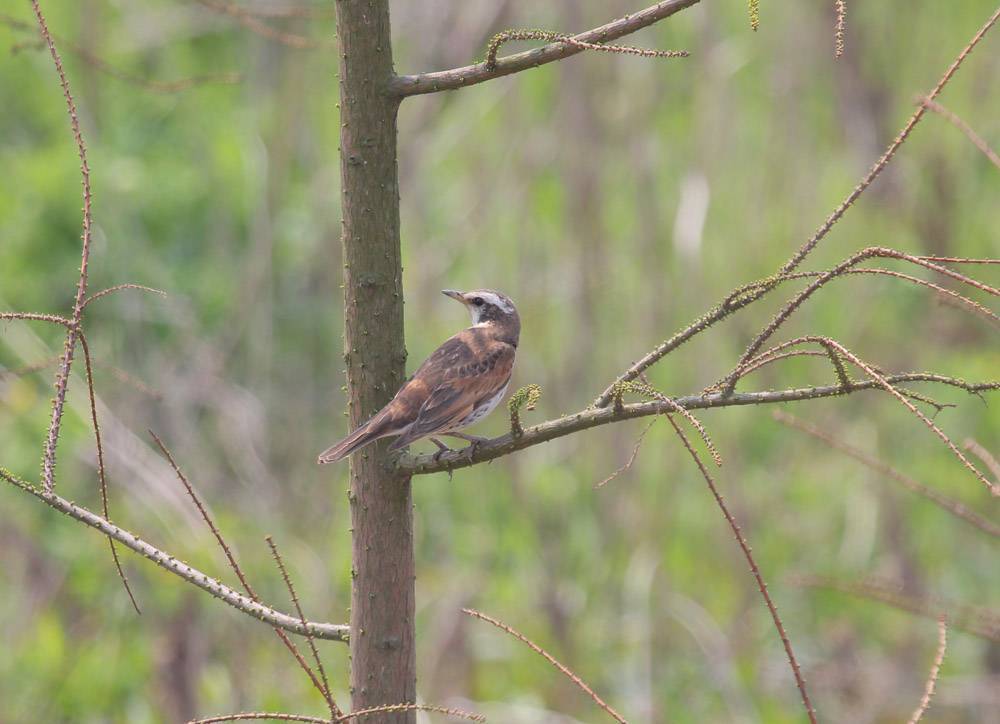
(478,301)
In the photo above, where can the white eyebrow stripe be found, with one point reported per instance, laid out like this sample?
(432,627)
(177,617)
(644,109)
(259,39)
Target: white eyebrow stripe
(497,301)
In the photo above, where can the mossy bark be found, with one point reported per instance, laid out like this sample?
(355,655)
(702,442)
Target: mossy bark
(383,667)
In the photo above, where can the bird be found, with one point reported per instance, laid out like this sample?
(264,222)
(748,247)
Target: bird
(461,382)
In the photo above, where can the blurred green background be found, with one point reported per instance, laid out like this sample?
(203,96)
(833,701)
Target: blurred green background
(615,199)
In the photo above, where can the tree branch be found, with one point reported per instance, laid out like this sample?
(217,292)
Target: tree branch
(596,416)
(329,631)
(410,85)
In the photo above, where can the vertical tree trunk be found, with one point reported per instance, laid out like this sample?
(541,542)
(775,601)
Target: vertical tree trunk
(383,666)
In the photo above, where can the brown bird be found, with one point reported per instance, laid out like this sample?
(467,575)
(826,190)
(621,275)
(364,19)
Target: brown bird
(459,384)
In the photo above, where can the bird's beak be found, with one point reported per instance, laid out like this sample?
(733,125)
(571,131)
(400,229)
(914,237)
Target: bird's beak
(457,296)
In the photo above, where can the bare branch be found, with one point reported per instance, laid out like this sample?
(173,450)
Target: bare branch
(991,463)
(631,458)
(885,384)
(333,632)
(101,474)
(974,620)
(925,700)
(952,506)
(408,85)
(255,25)
(292,648)
(840,7)
(964,127)
(594,417)
(334,709)
(751,293)
(388,708)
(754,569)
(508,35)
(120,287)
(551,659)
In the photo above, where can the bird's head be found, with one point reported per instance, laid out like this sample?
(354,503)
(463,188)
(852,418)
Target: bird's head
(487,306)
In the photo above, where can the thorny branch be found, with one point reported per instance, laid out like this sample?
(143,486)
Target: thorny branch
(748,294)
(932,677)
(593,417)
(942,501)
(562,668)
(333,632)
(971,619)
(408,85)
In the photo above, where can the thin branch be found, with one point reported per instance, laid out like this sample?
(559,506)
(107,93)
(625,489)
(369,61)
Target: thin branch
(408,85)
(69,346)
(631,458)
(37,317)
(932,677)
(334,709)
(389,708)
(840,8)
(976,621)
(740,298)
(120,287)
(252,23)
(991,463)
(385,709)
(329,631)
(745,546)
(551,659)
(885,384)
(594,417)
(952,506)
(248,715)
(508,35)
(959,260)
(964,127)
(101,472)
(728,383)
(103,66)
(292,648)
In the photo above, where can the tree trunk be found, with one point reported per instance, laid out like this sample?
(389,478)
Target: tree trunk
(383,665)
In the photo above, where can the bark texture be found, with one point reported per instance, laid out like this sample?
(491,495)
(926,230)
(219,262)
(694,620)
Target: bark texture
(383,667)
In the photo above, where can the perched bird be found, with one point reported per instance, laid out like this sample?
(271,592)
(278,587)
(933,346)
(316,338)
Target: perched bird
(459,384)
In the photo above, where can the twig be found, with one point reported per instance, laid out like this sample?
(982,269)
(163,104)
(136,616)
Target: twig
(739,299)
(885,384)
(738,534)
(943,502)
(550,658)
(120,287)
(103,66)
(594,417)
(631,458)
(329,631)
(101,473)
(976,621)
(255,25)
(508,35)
(840,7)
(964,127)
(388,708)
(991,463)
(728,384)
(69,346)
(292,648)
(925,700)
(334,709)
(408,85)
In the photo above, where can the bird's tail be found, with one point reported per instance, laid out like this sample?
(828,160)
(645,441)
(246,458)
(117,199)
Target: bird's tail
(367,433)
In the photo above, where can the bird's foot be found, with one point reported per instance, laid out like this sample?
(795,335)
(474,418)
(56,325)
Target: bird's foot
(470,449)
(442,449)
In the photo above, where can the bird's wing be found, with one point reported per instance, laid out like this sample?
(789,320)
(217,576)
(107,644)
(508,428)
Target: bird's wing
(463,388)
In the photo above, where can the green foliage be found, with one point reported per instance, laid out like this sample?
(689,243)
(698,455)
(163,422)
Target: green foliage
(616,200)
